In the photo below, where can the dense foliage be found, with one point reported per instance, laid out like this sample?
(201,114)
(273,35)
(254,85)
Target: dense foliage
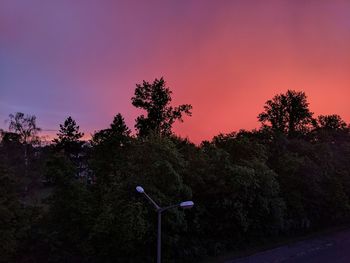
(79,204)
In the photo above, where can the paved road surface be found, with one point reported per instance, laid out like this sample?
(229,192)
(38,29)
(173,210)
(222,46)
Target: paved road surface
(333,248)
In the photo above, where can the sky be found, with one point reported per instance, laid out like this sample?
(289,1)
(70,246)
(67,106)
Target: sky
(83,59)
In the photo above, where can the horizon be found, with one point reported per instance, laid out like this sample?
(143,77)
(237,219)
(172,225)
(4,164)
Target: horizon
(48,135)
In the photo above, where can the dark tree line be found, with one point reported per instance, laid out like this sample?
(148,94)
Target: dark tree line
(77,202)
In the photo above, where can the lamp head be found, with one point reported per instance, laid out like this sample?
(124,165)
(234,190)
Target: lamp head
(187,204)
(140,189)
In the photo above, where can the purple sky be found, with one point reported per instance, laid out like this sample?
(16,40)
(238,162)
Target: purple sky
(226,58)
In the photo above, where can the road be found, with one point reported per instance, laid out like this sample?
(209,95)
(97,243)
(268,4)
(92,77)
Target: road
(332,248)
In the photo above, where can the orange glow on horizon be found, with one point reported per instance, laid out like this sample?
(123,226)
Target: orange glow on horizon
(226,59)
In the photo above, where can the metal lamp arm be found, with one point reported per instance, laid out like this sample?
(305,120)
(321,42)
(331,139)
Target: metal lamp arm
(152,201)
(169,207)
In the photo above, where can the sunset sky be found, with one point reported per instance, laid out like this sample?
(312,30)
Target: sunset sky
(226,58)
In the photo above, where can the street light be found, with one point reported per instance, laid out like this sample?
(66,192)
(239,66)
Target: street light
(186,205)
(183,205)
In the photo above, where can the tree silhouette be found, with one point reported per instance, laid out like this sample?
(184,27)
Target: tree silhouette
(330,128)
(69,136)
(25,126)
(155,99)
(10,137)
(331,122)
(26,129)
(287,113)
(250,186)
(108,153)
(117,132)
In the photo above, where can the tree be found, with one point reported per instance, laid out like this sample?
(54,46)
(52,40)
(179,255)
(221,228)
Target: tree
(156,164)
(69,137)
(287,113)
(243,147)
(241,198)
(25,126)
(331,122)
(11,151)
(118,132)
(10,137)
(9,215)
(109,148)
(330,129)
(124,220)
(70,213)
(155,99)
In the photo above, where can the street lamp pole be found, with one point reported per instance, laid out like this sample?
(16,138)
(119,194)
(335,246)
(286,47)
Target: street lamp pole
(159,237)
(184,205)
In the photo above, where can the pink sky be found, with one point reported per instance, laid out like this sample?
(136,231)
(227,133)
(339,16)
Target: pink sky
(226,58)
